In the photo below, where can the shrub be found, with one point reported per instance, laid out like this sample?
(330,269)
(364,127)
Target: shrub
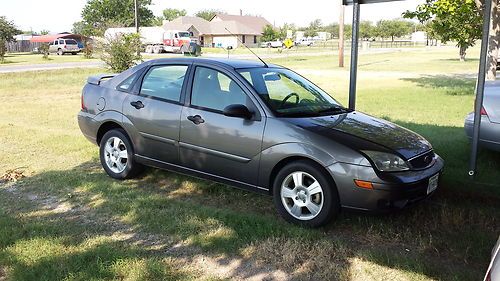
(44,50)
(121,52)
(88,49)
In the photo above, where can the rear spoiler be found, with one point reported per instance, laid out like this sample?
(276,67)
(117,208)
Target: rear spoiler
(97,79)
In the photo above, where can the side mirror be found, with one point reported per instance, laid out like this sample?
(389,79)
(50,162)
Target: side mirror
(237,110)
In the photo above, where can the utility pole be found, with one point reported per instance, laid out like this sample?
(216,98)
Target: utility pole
(341,34)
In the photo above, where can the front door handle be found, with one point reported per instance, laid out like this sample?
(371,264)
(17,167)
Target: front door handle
(196,119)
(137,104)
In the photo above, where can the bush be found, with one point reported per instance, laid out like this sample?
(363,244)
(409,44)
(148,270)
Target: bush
(121,52)
(44,50)
(88,50)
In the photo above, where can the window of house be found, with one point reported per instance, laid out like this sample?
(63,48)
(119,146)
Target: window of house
(255,39)
(243,39)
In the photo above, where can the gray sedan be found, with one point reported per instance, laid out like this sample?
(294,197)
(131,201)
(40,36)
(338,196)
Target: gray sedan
(258,127)
(490,118)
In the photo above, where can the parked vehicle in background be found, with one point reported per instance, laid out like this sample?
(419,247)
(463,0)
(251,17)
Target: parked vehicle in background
(259,127)
(304,42)
(156,39)
(272,44)
(490,118)
(64,46)
(493,271)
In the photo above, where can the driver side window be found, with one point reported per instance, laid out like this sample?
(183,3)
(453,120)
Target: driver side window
(214,90)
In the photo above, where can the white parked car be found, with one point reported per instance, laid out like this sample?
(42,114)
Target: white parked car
(304,42)
(272,44)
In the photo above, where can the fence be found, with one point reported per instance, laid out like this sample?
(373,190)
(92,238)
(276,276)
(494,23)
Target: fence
(22,46)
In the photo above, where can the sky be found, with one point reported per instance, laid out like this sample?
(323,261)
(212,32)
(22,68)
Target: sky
(57,16)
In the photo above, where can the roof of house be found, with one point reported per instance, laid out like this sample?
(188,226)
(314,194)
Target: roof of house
(255,22)
(247,25)
(184,22)
(51,37)
(228,27)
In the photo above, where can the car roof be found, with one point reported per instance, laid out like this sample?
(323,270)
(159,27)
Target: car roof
(233,63)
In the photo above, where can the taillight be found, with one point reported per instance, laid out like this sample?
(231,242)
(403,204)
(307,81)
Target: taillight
(64,47)
(483,111)
(83,104)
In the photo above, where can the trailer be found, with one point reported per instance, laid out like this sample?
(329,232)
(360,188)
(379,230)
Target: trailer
(156,39)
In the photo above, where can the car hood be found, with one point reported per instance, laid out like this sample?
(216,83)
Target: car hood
(363,132)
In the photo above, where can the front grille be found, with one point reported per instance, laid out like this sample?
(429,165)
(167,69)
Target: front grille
(423,161)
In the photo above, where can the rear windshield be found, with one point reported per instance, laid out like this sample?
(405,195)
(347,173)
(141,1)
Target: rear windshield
(71,42)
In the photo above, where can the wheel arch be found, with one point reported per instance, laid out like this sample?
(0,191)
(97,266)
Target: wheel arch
(106,127)
(282,163)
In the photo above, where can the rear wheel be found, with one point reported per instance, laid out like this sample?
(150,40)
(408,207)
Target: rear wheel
(117,155)
(304,194)
(60,52)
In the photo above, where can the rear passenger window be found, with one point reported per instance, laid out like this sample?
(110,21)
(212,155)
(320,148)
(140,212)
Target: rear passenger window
(164,82)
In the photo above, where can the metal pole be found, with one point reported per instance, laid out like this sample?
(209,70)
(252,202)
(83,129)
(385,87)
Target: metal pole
(354,55)
(136,14)
(480,87)
(341,34)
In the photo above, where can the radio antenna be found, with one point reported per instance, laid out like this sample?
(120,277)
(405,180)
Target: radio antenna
(238,38)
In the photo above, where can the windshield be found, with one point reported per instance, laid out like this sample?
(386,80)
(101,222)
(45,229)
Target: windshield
(289,94)
(184,34)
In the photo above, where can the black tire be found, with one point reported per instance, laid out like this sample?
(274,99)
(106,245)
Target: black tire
(60,52)
(331,203)
(73,53)
(132,168)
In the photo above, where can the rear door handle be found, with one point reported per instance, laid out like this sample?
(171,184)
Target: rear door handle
(196,119)
(137,104)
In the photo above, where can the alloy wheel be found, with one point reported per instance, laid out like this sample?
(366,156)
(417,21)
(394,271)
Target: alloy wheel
(115,155)
(302,195)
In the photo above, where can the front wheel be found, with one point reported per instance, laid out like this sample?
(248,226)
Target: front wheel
(304,194)
(116,153)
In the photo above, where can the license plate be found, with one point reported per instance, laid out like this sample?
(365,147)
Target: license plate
(433,183)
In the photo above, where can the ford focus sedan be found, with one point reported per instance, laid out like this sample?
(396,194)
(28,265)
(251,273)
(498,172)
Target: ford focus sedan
(258,127)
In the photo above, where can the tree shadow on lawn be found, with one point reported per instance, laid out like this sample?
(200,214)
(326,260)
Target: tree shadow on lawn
(447,237)
(455,85)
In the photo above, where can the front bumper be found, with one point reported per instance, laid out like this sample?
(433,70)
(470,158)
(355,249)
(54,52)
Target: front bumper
(395,192)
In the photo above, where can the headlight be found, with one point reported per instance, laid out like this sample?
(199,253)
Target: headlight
(387,162)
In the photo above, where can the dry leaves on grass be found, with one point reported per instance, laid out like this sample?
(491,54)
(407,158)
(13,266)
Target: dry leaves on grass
(12,175)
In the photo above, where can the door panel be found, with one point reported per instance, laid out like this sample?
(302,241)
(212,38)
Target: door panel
(211,142)
(155,112)
(225,146)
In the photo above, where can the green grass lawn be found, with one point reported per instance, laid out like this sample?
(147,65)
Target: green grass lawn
(67,220)
(29,58)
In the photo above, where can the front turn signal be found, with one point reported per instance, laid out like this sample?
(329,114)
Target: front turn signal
(364,184)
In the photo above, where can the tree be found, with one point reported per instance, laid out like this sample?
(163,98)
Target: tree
(313,28)
(44,32)
(269,34)
(367,30)
(393,28)
(98,15)
(7,32)
(283,30)
(208,14)
(170,14)
(451,20)
(333,28)
(120,52)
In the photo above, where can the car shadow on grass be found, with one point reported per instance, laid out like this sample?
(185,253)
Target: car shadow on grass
(454,85)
